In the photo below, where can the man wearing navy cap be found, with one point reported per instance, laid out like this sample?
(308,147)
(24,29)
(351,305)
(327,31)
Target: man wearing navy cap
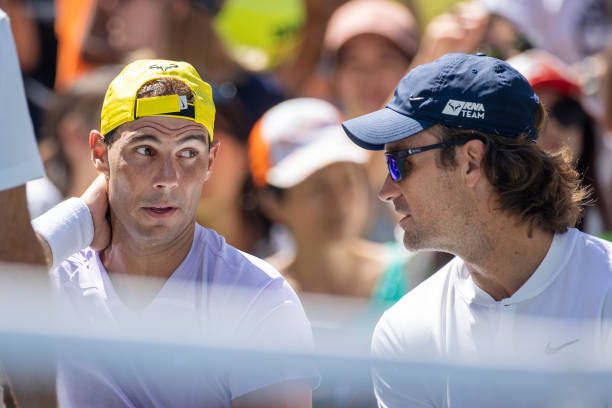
(466,177)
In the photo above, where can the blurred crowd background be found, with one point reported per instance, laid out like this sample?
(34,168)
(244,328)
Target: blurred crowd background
(288,186)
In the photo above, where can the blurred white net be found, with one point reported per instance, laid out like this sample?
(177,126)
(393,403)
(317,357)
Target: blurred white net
(167,350)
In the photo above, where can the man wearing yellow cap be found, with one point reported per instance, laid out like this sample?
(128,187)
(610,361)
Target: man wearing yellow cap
(155,149)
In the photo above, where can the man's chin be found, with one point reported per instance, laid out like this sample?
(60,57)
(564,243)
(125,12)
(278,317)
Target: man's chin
(413,242)
(162,231)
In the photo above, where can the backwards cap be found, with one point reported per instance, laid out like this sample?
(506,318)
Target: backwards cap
(121,104)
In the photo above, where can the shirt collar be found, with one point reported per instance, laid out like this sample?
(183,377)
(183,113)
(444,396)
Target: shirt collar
(551,266)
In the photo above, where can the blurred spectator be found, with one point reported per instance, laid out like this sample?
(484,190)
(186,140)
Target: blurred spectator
(569,29)
(32,26)
(229,203)
(64,144)
(605,163)
(25,33)
(313,181)
(462,29)
(65,132)
(569,125)
(369,57)
(73,18)
(300,75)
(178,30)
(262,34)
(32,55)
(367,60)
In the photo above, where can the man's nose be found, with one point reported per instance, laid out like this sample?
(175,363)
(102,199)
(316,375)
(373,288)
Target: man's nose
(389,189)
(167,175)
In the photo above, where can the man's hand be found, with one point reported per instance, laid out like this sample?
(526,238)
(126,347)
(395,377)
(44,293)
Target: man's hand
(461,30)
(96,198)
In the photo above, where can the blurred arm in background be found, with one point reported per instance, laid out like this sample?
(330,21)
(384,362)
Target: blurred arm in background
(19,159)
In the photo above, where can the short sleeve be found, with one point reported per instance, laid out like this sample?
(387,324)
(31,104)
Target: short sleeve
(19,158)
(277,326)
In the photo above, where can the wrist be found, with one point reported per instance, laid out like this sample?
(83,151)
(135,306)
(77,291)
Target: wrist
(67,228)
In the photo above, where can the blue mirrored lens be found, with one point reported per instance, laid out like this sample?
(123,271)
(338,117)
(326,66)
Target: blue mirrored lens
(394,171)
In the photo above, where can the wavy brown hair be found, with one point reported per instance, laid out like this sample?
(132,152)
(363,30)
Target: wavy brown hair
(542,189)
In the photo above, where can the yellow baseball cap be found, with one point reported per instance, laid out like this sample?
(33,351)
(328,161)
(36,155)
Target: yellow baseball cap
(121,105)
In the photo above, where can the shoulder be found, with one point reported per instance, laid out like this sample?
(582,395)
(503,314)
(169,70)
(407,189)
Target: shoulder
(412,325)
(595,258)
(597,247)
(243,276)
(588,254)
(227,263)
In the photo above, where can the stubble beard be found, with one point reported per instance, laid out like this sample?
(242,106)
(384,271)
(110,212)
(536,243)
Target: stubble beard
(416,238)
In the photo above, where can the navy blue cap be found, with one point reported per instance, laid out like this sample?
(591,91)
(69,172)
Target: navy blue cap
(473,92)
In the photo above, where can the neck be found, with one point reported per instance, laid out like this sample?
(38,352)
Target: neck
(332,267)
(317,260)
(134,256)
(509,258)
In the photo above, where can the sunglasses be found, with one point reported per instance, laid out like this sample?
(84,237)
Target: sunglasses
(396,159)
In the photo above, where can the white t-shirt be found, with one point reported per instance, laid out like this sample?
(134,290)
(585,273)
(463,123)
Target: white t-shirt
(19,158)
(229,297)
(449,318)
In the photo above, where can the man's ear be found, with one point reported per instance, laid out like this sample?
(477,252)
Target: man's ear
(98,152)
(212,156)
(471,161)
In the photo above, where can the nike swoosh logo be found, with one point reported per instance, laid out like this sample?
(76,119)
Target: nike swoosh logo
(416,98)
(553,350)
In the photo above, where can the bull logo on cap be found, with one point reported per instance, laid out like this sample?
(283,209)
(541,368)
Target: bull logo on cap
(163,67)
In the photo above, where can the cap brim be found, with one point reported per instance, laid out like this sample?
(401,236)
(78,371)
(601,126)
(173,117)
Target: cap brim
(374,130)
(331,147)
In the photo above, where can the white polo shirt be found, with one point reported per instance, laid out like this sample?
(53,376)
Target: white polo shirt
(448,317)
(19,158)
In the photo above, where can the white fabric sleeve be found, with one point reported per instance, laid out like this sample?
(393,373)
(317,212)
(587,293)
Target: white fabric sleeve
(276,323)
(67,228)
(19,158)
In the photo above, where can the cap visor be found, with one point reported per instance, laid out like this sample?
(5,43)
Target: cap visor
(374,130)
(331,147)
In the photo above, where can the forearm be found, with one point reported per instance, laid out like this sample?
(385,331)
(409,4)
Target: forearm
(18,241)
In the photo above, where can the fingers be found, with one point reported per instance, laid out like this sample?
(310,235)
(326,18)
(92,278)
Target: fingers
(96,198)
(461,30)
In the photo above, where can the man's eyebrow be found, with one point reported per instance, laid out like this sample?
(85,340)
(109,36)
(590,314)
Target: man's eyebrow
(144,138)
(201,137)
